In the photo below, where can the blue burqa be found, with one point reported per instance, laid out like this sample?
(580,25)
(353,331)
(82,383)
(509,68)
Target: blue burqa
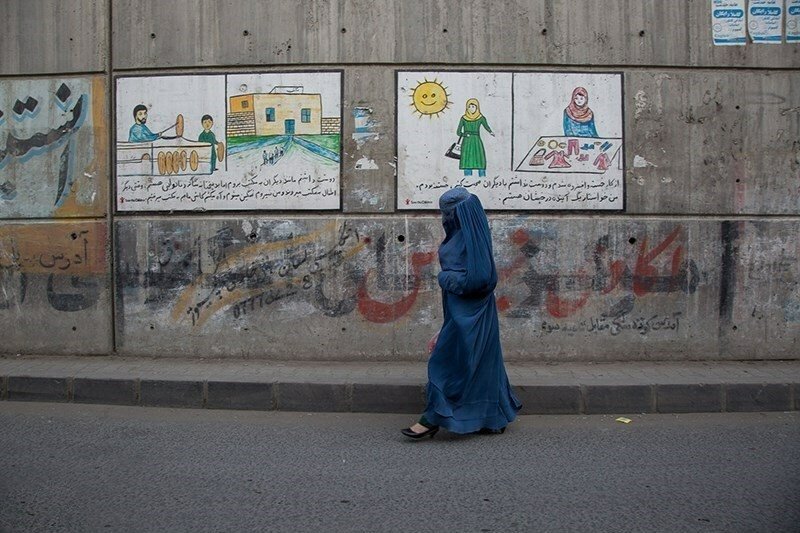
(468,389)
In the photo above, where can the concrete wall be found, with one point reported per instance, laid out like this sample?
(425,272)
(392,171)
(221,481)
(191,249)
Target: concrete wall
(702,263)
(55,273)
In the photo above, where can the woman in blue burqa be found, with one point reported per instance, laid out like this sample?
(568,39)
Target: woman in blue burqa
(468,389)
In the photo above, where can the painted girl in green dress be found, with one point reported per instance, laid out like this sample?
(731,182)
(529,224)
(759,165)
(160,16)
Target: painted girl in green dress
(473,156)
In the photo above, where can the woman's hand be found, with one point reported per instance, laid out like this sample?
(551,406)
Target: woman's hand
(432,343)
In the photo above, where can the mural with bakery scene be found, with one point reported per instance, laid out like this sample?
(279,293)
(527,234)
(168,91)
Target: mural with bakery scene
(268,141)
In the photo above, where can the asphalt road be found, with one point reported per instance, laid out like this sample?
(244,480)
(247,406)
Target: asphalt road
(67,467)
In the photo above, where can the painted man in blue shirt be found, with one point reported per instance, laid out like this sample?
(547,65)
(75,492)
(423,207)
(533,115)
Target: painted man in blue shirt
(139,132)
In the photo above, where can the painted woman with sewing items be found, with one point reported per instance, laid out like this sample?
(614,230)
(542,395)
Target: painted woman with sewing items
(473,155)
(578,116)
(468,389)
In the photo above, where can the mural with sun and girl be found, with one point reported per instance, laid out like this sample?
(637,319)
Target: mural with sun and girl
(519,140)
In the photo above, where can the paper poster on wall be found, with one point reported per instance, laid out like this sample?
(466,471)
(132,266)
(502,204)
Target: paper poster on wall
(793,21)
(728,22)
(519,140)
(765,21)
(267,141)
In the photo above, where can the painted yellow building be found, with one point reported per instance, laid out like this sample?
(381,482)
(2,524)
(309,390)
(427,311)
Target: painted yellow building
(282,111)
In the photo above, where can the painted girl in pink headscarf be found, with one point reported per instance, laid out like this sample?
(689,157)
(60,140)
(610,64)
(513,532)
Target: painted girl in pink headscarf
(578,116)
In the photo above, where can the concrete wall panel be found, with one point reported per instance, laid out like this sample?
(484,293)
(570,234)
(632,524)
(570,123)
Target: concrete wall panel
(280,288)
(365,288)
(609,288)
(55,296)
(698,142)
(53,36)
(760,313)
(368,138)
(711,142)
(155,34)
(53,147)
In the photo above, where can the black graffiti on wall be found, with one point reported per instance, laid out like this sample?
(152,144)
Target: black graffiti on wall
(67,272)
(244,272)
(78,294)
(20,147)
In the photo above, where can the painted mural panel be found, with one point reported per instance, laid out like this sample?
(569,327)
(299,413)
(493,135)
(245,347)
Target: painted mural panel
(365,289)
(54,288)
(519,140)
(53,160)
(229,142)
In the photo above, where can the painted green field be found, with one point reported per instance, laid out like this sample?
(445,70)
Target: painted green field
(244,139)
(331,142)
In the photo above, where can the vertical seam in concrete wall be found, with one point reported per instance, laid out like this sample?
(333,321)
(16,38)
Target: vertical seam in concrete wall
(205,394)
(341,139)
(137,391)
(111,96)
(70,389)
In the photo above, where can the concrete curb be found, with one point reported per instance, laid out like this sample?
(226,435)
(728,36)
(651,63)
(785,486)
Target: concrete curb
(398,398)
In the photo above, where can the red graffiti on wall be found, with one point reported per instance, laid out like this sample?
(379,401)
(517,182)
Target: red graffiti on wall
(383,312)
(645,274)
(520,237)
(609,274)
(561,308)
(546,289)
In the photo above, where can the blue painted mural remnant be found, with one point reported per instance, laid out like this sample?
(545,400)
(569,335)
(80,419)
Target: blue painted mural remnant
(49,154)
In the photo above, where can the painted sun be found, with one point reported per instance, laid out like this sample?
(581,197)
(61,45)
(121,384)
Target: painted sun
(430,98)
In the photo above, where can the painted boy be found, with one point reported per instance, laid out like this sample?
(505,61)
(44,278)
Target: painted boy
(207,136)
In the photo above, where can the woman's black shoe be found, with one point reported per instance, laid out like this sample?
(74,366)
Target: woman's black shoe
(430,432)
(487,431)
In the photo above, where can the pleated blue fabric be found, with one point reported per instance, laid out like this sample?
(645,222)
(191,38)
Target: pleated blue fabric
(468,388)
